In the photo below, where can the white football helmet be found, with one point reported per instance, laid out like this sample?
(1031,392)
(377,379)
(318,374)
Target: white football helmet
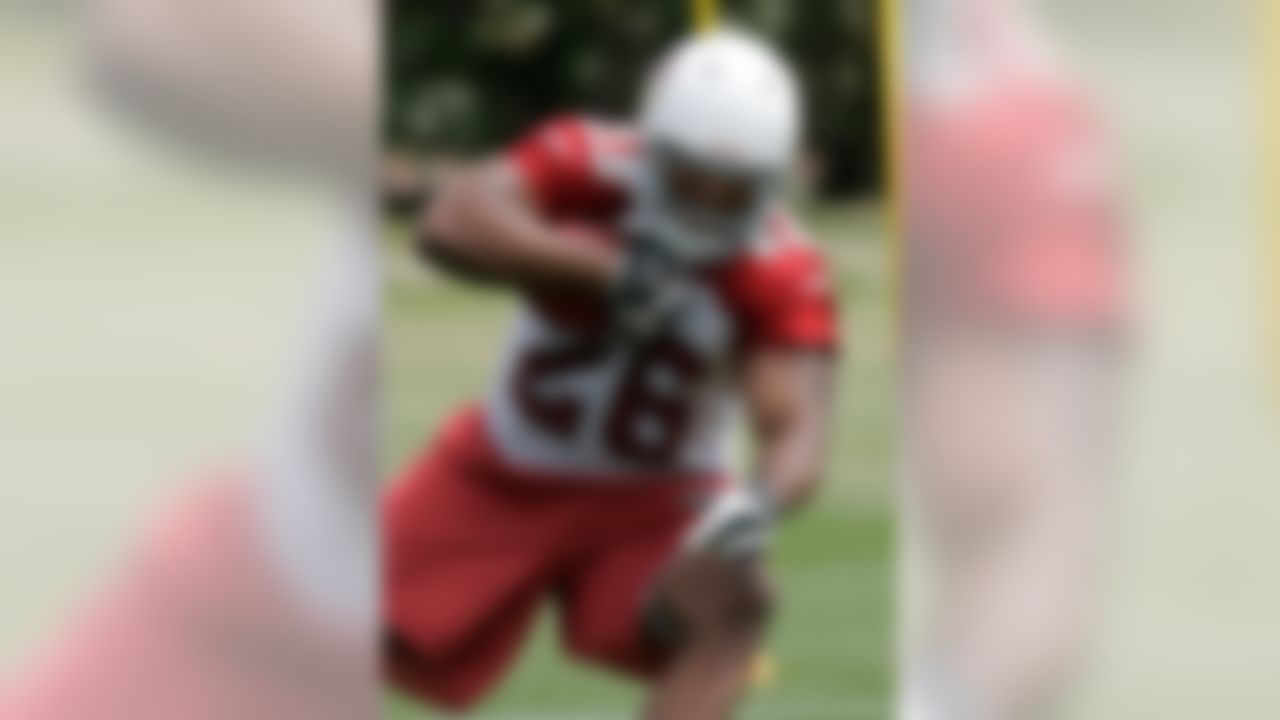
(725,103)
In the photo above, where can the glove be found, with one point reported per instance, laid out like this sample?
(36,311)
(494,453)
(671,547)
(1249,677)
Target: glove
(651,290)
(737,524)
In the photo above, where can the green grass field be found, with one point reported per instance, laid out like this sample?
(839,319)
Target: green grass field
(832,644)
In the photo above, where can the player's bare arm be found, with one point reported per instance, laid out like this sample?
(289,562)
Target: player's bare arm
(788,393)
(482,225)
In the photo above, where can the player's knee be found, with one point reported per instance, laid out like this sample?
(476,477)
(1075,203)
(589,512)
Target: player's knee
(754,609)
(745,614)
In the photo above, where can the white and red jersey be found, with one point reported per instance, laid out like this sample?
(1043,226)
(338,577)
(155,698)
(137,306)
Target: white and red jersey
(570,403)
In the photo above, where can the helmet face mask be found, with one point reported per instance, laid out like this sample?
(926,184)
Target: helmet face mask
(720,121)
(710,210)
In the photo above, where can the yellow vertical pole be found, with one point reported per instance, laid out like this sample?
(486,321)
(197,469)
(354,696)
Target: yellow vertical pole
(892,55)
(706,13)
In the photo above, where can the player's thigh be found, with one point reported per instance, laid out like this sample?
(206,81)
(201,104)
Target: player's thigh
(604,610)
(605,602)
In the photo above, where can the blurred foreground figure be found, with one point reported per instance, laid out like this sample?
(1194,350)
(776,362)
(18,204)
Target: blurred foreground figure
(1013,339)
(662,283)
(253,595)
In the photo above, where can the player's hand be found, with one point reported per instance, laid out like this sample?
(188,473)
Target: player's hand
(651,289)
(736,525)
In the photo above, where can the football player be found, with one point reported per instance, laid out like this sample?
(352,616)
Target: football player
(661,284)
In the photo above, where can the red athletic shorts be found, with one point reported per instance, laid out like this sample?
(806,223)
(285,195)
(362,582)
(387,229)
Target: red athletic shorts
(472,548)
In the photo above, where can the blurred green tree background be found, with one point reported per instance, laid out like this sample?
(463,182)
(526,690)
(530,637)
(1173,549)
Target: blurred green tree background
(467,76)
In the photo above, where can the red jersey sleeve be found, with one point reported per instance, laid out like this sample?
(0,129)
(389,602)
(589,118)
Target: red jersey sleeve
(787,299)
(560,161)
(800,310)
